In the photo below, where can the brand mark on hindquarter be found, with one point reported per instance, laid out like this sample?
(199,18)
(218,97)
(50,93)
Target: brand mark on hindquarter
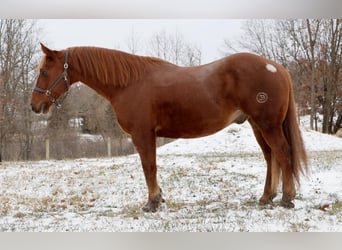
(262,97)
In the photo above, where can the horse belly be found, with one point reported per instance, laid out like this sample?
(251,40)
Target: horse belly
(195,124)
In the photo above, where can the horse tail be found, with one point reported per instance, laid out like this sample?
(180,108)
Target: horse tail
(299,161)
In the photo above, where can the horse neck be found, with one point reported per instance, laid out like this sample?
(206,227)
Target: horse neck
(109,71)
(95,85)
(79,73)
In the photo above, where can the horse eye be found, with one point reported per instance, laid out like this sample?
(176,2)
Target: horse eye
(43,72)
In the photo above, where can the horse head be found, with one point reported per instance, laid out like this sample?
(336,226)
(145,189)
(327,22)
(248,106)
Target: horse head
(53,82)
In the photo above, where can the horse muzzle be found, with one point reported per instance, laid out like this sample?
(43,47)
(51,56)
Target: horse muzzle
(41,109)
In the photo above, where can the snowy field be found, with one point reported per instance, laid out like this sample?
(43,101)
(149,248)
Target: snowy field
(209,184)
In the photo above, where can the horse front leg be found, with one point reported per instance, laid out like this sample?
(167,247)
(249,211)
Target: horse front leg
(146,147)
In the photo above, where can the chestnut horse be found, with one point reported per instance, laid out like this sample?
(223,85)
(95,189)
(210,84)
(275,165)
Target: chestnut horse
(152,97)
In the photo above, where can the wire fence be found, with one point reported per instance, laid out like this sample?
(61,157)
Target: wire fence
(67,147)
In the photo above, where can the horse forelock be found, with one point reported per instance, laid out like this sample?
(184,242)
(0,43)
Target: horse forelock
(110,67)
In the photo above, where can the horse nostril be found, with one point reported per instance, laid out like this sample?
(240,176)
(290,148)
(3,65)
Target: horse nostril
(32,107)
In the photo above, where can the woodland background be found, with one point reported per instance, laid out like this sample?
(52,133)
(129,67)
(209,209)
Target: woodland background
(311,49)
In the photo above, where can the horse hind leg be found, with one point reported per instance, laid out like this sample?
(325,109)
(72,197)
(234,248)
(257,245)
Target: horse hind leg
(281,157)
(272,175)
(274,170)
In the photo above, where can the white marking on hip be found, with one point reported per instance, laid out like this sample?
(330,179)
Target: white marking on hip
(271,68)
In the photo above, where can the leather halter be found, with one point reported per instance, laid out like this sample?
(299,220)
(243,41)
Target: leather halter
(64,77)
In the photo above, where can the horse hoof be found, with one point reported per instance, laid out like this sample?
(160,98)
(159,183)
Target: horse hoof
(263,202)
(266,204)
(267,201)
(149,208)
(152,205)
(287,204)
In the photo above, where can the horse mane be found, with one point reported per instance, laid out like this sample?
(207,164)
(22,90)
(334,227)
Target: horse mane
(110,67)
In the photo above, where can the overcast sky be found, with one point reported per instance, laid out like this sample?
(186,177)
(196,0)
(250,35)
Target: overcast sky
(206,34)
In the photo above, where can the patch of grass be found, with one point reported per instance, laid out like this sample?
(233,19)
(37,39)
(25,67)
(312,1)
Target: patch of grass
(4,206)
(81,202)
(40,205)
(178,174)
(115,167)
(57,191)
(107,213)
(203,203)
(336,207)
(299,227)
(208,161)
(76,200)
(132,211)
(19,215)
(251,203)
(175,206)
(87,190)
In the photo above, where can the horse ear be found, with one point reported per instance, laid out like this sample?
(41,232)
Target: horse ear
(47,51)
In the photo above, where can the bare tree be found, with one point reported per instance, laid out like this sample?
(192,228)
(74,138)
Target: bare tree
(311,49)
(305,35)
(331,64)
(97,117)
(264,37)
(174,48)
(319,44)
(133,41)
(17,63)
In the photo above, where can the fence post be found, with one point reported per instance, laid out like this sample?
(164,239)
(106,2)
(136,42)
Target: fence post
(109,147)
(47,149)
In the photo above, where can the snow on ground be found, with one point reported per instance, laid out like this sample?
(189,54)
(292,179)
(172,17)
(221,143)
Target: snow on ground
(209,184)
